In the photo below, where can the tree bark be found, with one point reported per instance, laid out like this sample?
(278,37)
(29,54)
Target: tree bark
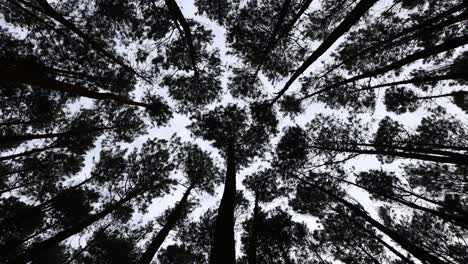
(252,254)
(223,248)
(354,16)
(172,219)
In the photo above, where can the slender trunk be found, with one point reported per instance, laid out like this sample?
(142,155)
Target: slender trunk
(376,237)
(440,146)
(274,35)
(421,54)
(178,17)
(16,73)
(314,249)
(27,153)
(414,150)
(354,16)
(51,12)
(458,220)
(368,254)
(223,248)
(279,35)
(252,255)
(172,219)
(454,209)
(38,247)
(423,26)
(27,137)
(416,251)
(439,159)
(450,76)
(35,167)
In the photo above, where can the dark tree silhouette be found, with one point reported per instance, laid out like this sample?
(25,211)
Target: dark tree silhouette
(338,128)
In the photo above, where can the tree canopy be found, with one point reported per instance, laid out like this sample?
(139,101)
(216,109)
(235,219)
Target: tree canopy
(234,131)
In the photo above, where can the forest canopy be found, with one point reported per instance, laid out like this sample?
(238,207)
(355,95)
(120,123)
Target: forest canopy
(234,131)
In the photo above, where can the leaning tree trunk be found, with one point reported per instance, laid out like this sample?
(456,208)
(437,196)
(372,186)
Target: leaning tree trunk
(274,35)
(376,237)
(48,10)
(15,73)
(252,254)
(399,154)
(459,220)
(415,80)
(157,241)
(420,54)
(178,17)
(223,248)
(39,247)
(424,26)
(354,16)
(416,251)
(28,152)
(27,137)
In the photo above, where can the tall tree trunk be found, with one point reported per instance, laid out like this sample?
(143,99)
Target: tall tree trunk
(252,254)
(27,137)
(38,247)
(424,26)
(42,206)
(172,219)
(431,78)
(417,156)
(15,72)
(421,54)
(28,152)
(274,35)
(35,167)
(416,251)
(354,16)
(414,150)
(178,17)
(48,10)
(223,249)
(456,219)
(376,237)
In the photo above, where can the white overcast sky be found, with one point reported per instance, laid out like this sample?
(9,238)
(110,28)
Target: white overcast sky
(179,123)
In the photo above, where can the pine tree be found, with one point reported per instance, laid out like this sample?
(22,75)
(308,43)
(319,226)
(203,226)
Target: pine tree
(331,131)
